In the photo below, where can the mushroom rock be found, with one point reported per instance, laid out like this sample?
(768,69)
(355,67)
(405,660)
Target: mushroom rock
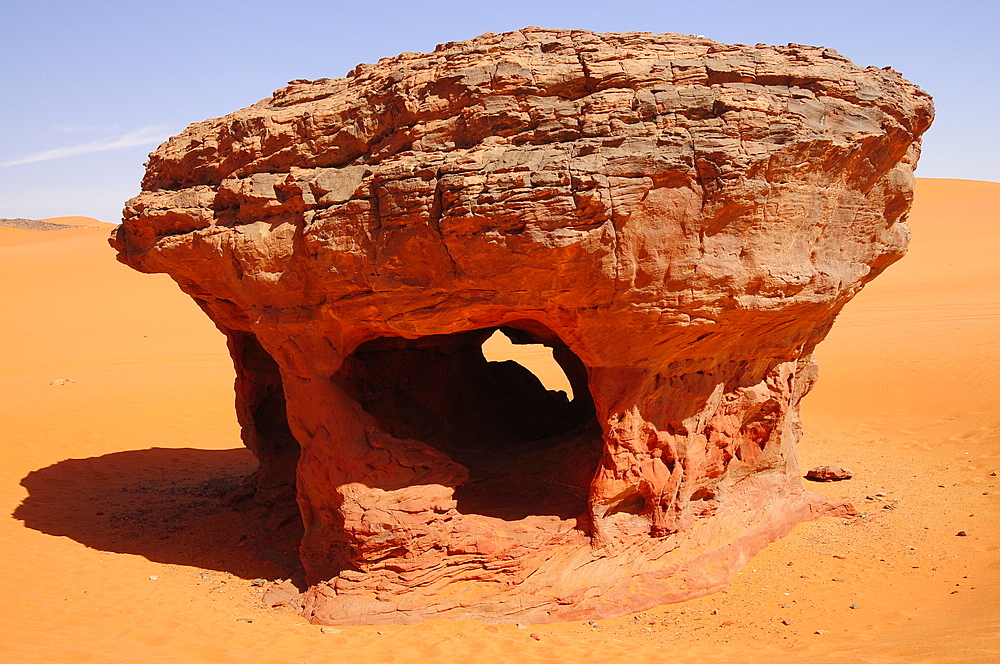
(679,220)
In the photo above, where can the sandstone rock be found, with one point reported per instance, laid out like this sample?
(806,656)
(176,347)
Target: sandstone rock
(828,474)
(679,220)
(282,593)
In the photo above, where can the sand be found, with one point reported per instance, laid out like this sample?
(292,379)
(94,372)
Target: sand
(119,439)
(13,236)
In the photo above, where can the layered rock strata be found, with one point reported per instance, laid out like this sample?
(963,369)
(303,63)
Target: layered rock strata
(679,220)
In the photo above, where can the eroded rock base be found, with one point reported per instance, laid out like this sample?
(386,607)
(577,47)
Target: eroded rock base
(569,579)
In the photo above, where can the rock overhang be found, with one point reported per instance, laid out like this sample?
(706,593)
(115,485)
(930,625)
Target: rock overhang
(680,219)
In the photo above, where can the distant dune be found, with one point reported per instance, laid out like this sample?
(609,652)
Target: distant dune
(119,441)
(52,223)
(32,225)
(78,221)
(24,231)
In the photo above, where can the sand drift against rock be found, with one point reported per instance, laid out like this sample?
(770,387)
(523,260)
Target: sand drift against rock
(679,220)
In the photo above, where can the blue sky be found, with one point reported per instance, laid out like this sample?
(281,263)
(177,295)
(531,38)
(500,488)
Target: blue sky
(90,87)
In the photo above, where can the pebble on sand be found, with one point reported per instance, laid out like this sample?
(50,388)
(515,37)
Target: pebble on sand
(829,474)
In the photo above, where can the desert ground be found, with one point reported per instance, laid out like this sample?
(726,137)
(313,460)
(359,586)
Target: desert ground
(119,441)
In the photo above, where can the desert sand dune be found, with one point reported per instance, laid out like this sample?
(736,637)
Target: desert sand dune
(11,236)
(119,443)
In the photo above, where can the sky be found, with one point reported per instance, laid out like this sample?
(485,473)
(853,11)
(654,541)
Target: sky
(89,88)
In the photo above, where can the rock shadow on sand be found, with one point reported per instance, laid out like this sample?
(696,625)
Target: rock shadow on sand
(179,506)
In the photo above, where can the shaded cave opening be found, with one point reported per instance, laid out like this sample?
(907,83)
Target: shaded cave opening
(529,450)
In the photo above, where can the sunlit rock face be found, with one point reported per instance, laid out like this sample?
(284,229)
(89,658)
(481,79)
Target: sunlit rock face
(679,220)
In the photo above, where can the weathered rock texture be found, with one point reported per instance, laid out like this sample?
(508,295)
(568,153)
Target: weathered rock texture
(680,220)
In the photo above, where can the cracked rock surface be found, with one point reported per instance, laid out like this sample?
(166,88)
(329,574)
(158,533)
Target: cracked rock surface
(679,220)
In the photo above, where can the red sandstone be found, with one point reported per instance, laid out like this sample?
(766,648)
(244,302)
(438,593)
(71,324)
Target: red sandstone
(680,220)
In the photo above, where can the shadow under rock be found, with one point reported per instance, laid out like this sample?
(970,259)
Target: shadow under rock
(169,505)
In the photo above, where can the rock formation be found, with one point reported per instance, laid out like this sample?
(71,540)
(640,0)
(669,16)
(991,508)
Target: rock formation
(679,220)
(828,474)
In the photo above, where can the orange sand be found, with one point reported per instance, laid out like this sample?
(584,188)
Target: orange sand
(12,236)
(114,478)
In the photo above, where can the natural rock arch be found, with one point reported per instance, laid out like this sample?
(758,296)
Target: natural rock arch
(527,450)
(681,220)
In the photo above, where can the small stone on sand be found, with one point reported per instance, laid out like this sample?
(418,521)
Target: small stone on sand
(829,474)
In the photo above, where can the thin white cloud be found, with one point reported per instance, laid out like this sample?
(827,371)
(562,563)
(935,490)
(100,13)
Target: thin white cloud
(79,129)
(144,136)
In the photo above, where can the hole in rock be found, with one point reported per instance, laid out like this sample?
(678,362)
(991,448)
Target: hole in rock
(262,395)
(529,450)
(536,358)
(633,503)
